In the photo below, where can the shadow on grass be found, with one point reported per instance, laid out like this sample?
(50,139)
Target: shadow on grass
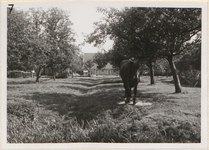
(94,83)
(27,81)
(88,107)
(90,80)
(82,107)
(157,97)
(86,89)
(167,81)
(21,82)
(86,103)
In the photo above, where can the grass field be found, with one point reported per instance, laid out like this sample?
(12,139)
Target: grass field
(89,109)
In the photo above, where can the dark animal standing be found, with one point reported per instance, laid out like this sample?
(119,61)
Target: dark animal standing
(128,73)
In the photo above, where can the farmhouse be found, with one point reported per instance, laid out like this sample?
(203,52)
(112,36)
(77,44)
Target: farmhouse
(107,70)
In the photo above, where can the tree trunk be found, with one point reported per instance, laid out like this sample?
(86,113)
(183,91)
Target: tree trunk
(152,81)
(175,75)
(72,69)
(166,73)
(139,75)
(54,73)
(89,73)
(38,75)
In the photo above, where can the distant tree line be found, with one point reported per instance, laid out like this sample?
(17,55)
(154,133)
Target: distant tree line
(152,35)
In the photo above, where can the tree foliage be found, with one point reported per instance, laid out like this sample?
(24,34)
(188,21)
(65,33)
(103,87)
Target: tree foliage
(37,37)
(18,51)
(89,64)
(59,37)
(191,58)
(149,33)
(101,59)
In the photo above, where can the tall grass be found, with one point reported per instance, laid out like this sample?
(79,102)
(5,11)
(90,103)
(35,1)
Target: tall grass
(126,123)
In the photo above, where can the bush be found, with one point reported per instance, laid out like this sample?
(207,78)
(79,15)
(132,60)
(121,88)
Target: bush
(190,78)
(15,74)
(80,72)
(62,75)
(19,74)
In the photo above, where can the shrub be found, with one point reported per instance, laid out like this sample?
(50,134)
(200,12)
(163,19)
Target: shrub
(62,75)
(190,78)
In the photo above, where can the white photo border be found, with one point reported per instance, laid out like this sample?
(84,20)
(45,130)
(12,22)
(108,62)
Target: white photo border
(204,87)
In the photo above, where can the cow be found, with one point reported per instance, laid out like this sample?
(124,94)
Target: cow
(128,73)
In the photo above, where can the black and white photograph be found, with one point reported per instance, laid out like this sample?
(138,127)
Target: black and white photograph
(93,74)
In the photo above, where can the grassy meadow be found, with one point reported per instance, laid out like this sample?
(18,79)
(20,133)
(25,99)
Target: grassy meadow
(90,109)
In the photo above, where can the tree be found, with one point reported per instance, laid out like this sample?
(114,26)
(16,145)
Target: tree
(161,67)
(101,59)
(76,64)
(88,65)
(25,40)
(38,39)
(17,41)
(173,28)
(115,58)
(189,64)
(37,45)
(59,38)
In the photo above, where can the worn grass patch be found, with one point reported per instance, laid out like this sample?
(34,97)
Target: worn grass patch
(87,110)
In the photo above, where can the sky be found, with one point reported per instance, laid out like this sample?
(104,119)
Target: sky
(83,19)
